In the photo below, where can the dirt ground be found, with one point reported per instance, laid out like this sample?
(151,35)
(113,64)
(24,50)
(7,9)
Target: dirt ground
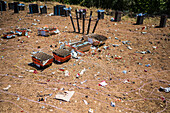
(137,90)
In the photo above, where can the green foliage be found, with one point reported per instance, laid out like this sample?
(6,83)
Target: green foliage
(136,6)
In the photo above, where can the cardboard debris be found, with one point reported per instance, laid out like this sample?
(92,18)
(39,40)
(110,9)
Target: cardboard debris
(95,39)
(80,46)
(22,31)
(66,95)
(48,31)
(9,35)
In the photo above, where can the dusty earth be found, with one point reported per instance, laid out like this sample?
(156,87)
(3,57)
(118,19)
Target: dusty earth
(133,91)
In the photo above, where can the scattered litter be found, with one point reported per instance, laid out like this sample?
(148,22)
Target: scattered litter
(119,57)
(66,73)
(167,90)
(112,19)
(62,89)
(74,84)
(35,72)
(85,102)
(9,35)
(148,51)
(18,99)
(112,104)
(48,31)
(50,14)
(116,38)
(82,72)
(74,54)
(83,82)
(66,95)
(145,70)
(143,32)
(148,65)
(129,47)
(40,99)
(6,89)
(20,76)
(62,69)
(144,28)
(90,110)
(143,52)
(78,75)
(140,63)
(126,81)
(106,47)
(125,42)
(34,24)
(124,71)
(103,83)
(97,74)
(154,47)
(115,45)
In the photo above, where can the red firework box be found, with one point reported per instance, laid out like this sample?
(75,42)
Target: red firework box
(47,31)
(41,59)
(9,35)
(22,31)
(61,55)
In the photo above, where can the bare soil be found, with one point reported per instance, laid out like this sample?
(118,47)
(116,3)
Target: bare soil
(139,94)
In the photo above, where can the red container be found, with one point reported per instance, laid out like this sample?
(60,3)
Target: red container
(42,59)
(61,55)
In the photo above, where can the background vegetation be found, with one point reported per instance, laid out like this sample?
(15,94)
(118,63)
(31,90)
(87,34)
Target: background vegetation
(136,6)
